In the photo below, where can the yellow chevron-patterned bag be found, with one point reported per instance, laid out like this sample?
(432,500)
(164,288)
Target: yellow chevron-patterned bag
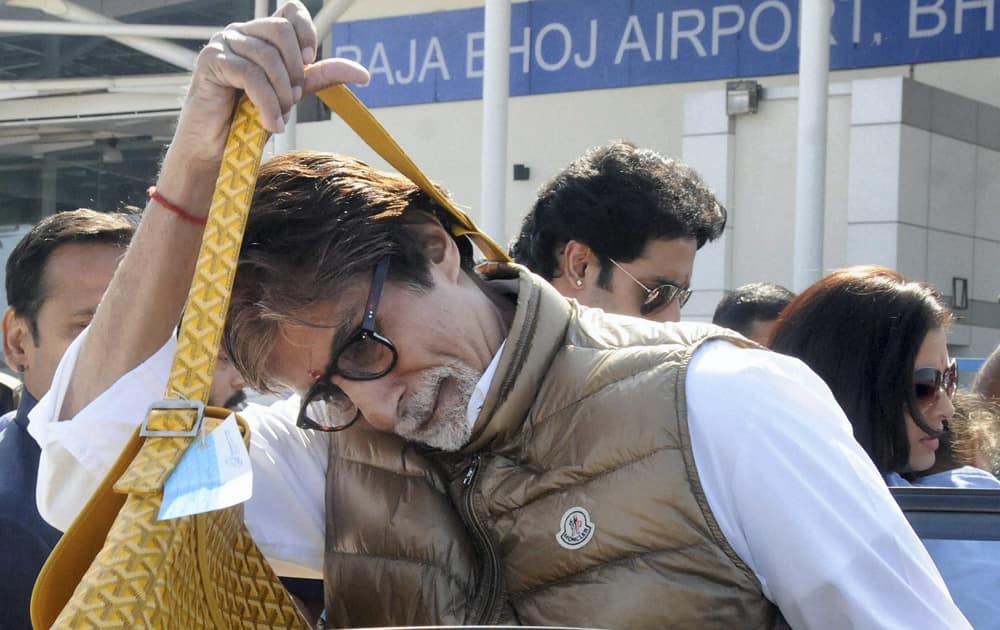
(118,566)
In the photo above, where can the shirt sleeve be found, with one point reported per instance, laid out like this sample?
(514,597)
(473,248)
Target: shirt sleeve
(285,515)
(799,500)
(77,454)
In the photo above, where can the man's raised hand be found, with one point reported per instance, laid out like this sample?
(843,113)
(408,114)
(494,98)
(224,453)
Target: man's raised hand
(271,60)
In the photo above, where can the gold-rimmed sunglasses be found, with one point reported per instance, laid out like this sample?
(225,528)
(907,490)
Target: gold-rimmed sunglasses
(658,296)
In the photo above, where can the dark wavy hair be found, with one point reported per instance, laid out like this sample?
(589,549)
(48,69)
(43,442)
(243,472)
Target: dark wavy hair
(615,199)
(318,223)
(860,330)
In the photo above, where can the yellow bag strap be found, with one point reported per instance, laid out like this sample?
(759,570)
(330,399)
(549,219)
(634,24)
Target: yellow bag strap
(341,100)
(198,342)
(208,301)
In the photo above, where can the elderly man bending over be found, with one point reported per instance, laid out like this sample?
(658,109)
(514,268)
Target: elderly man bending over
(475,448)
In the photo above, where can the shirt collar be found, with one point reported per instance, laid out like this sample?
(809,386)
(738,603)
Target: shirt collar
(482,387)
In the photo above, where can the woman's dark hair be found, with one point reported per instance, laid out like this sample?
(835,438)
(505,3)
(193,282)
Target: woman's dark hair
(860,330)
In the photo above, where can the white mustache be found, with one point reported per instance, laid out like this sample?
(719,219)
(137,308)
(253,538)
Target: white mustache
(450,431)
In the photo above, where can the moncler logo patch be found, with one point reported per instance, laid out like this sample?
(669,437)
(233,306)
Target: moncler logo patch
(575,529)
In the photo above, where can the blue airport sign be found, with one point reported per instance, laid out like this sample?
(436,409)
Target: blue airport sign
(566,45)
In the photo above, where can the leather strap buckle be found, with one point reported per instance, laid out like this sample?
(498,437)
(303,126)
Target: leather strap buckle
(169,404)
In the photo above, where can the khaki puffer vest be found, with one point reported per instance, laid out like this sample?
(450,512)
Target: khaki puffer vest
(576,503)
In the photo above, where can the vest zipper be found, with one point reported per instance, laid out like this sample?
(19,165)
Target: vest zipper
(491,569)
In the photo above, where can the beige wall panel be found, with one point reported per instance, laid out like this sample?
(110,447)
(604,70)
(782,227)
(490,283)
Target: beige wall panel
(764,206)
(837,174)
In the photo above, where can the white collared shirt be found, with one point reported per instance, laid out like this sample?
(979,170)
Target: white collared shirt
(478,398)
(793,493)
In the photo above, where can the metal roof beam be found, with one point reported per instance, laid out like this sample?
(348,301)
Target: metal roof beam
(147,38)
(114,31)
(139,84)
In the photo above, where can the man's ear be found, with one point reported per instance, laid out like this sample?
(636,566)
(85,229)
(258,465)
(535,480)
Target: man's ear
(16,339)
(577,262)
(439,246)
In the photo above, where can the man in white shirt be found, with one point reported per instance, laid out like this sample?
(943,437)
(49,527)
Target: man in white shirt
(678,504)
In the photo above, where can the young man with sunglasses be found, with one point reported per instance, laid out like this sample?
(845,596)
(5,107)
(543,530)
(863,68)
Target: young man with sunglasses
(618,229)
(476,448)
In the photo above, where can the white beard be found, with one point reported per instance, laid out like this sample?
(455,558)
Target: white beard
(449,430)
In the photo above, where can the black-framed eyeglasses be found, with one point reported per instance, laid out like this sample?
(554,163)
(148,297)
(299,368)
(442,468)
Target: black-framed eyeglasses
(659,296)
(930,383)
(365,356)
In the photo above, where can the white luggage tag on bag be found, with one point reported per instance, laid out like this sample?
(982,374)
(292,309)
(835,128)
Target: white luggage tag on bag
(213,473)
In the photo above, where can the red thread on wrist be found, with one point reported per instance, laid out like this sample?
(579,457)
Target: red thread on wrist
(181,212)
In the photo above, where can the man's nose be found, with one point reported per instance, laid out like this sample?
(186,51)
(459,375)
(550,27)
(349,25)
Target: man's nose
(237,381)
(377,400)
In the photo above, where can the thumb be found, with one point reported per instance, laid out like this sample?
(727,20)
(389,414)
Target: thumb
(329,72)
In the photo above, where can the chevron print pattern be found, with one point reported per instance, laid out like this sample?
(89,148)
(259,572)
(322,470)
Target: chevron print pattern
(158,457)
(201,571)
(251,595)
(208,300)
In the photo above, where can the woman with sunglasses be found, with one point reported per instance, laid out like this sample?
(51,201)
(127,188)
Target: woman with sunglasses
(880,343)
